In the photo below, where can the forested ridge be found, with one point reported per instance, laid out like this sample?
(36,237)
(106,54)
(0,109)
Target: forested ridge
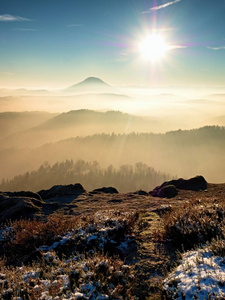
(126,178)
(185,153)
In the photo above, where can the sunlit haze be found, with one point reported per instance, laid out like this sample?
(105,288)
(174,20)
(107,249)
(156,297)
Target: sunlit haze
(117,82)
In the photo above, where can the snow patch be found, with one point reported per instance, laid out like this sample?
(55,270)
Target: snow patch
(199,274)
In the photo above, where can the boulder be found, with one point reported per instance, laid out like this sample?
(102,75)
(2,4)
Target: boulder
(62,191)
(168,191)
(194,184)
(106,190)
(15,207)
(141,193)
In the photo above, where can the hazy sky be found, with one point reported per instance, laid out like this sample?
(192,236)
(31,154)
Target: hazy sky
(56,43)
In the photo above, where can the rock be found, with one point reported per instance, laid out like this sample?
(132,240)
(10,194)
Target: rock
(62,190)
(194,184)
(141,193)
(169,188)
(168,191)
(14,207)
(106,190)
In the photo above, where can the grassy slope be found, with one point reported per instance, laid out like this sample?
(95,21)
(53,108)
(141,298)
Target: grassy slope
(152,227)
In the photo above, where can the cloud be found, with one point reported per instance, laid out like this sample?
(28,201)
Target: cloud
(123,57)
(216,48)
(11,18)
(75,25)
(26,29)
(154,8)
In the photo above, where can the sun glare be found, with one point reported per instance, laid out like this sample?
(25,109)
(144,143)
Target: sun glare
(153,47)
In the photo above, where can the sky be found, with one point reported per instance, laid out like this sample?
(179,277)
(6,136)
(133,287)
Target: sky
(54,44)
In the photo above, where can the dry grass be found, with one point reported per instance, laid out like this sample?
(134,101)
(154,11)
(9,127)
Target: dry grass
(87,259)
(24,236)
(191,226)
(194,223)
(91,277)
(69,258)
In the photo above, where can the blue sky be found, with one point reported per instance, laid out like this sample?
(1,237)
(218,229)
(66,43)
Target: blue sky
(58,43)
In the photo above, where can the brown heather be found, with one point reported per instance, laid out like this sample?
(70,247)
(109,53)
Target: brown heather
(155,234)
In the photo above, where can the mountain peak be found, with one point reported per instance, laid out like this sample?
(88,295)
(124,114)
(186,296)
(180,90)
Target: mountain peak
(93,80)
(91,84)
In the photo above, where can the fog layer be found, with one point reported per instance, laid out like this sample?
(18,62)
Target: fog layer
(174,130)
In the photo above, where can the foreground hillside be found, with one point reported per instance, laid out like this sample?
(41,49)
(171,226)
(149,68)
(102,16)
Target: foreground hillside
(107,245)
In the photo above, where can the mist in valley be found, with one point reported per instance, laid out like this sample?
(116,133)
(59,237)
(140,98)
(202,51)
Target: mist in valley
(175,132)
(167,108)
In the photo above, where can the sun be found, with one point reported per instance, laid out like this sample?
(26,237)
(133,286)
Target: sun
(153,48)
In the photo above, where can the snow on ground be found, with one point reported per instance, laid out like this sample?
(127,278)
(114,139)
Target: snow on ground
(200,275)
(107,226)
(78,277)
(75,278)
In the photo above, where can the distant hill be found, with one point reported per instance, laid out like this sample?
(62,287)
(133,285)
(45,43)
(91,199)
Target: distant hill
(15,122)
(91,85)
(67,125)
(89,118)
(187,153)
(24,92)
